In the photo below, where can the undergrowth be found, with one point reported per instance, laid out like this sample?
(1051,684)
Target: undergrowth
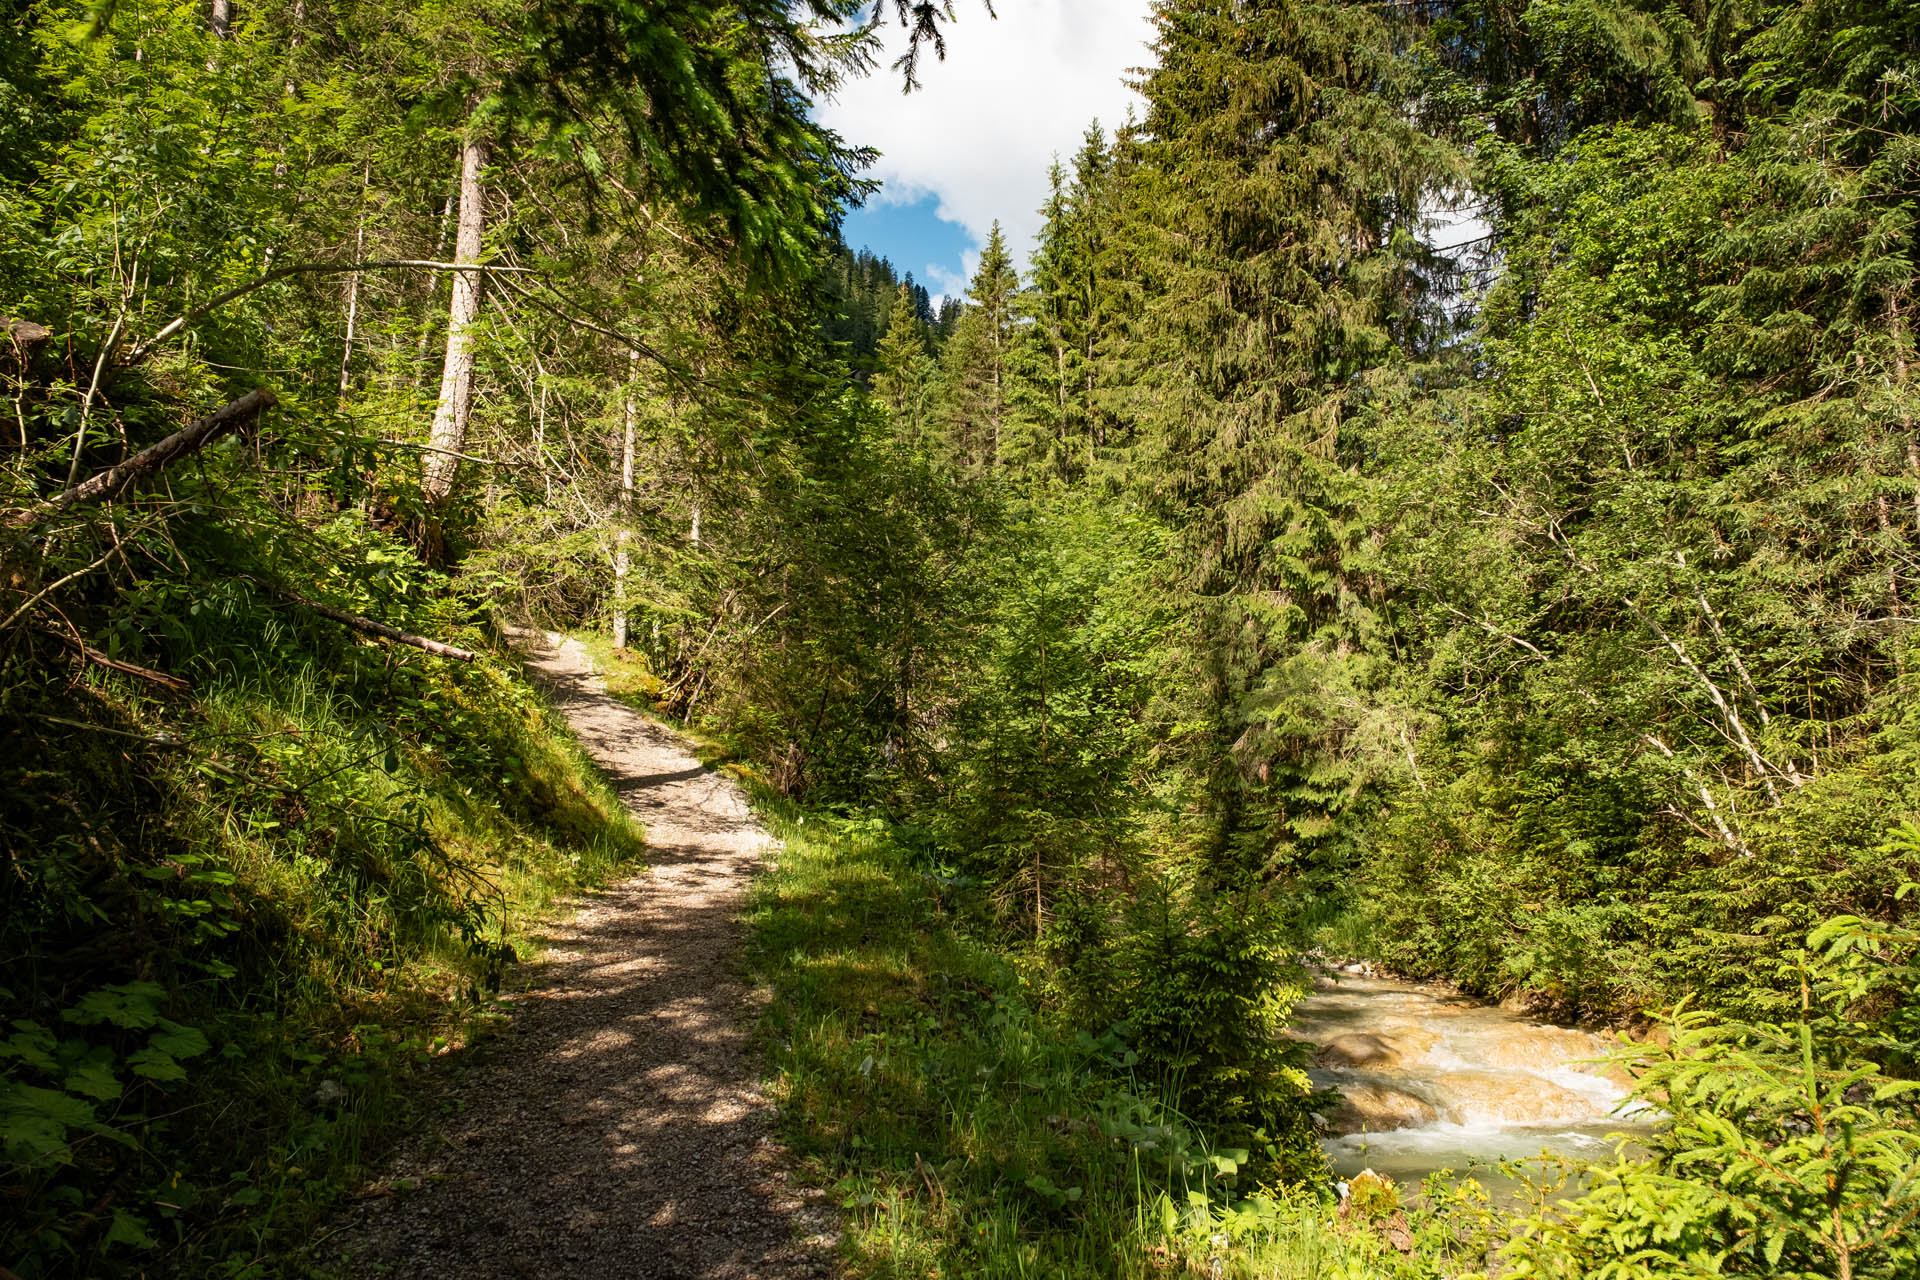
(243,923)
(967,1132)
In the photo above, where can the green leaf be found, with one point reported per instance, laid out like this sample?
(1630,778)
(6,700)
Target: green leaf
(34,1123)
(95,1080)
(179,1041)
(156,1065)
(133,1005)
(130,1231)
(30,1043)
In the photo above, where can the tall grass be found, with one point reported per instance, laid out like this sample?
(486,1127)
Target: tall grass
(968,1134)
(321,865)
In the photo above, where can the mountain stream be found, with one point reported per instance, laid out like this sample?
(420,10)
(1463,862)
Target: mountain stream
(1431,1080)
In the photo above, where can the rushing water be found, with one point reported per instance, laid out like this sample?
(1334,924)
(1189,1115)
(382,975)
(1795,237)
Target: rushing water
(1431,1080)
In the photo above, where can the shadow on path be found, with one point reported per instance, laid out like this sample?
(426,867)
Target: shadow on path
(616,1130)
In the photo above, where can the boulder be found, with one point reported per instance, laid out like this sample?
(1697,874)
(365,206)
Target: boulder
(1372,1108)
(1376,1050)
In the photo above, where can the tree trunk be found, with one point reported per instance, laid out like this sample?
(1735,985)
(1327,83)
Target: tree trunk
(220,19)
(622,555)
(353,289)
(449,435)
(115,480)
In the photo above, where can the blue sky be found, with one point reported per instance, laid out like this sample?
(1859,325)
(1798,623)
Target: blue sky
(974,144)
(913,236)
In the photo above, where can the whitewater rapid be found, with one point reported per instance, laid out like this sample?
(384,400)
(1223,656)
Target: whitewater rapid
(1430,1080)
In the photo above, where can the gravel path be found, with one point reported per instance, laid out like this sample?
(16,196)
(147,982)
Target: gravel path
(617,1130)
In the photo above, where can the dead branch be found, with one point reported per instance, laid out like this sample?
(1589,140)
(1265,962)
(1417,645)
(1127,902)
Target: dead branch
(1746,677)
(1728,711)
(99,659)
(114,480)
(221,299)
(54,586)
(367,626)
(1727,836)
(1492,630)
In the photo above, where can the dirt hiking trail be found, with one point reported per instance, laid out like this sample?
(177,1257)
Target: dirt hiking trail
(617,1131)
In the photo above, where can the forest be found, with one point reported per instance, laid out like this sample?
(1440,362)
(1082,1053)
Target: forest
(1256,579)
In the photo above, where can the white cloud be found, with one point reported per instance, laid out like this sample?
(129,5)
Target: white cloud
(987,122)
(946,281)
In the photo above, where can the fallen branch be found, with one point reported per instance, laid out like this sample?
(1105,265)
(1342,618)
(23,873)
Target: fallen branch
(99,659)
(225,296)
(367,625)
(52,587)
(114,480)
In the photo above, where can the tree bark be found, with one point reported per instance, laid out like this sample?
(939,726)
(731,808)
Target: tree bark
(449,434)
(20,342)
(220,19)
(90,654)
(353,289)
(622,555)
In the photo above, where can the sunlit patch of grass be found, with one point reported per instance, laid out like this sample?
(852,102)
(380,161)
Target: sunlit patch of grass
(625,672)
(967,1134)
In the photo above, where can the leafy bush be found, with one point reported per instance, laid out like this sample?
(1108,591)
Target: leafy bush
(1790,1150)
(1203,985)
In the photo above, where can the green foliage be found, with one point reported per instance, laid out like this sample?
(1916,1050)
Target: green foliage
(965,1131)
(1537,612)
(1784,1152)
(1204,986)
(975,366)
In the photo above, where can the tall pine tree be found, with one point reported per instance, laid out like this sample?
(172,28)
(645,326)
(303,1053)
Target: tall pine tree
(975,373)
(1273,208)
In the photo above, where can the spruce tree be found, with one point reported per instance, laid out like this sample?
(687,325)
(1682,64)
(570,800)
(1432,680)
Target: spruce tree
(975,375)
(904,373)
(1277,191)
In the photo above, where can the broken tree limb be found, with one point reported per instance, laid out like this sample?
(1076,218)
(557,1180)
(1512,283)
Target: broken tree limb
(1728,712)
(23,340)
(114,480)
(367,626)
(90,654)
(1727,835)
(221,299)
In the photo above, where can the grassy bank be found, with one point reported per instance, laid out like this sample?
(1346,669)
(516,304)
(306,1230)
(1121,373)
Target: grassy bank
(248,926)
(970,1135)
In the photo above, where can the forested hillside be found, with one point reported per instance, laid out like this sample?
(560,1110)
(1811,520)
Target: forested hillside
(1443,491)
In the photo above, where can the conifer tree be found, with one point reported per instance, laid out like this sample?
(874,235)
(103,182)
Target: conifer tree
(1045,355)
(975,373)
(904,373)
(1056,373)
(1276,190)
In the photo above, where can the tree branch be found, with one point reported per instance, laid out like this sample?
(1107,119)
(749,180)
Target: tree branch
(1490,629)
(225,296)
(366,626)
(1727,836)
(1727,711)
(99,659)
(114,480)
